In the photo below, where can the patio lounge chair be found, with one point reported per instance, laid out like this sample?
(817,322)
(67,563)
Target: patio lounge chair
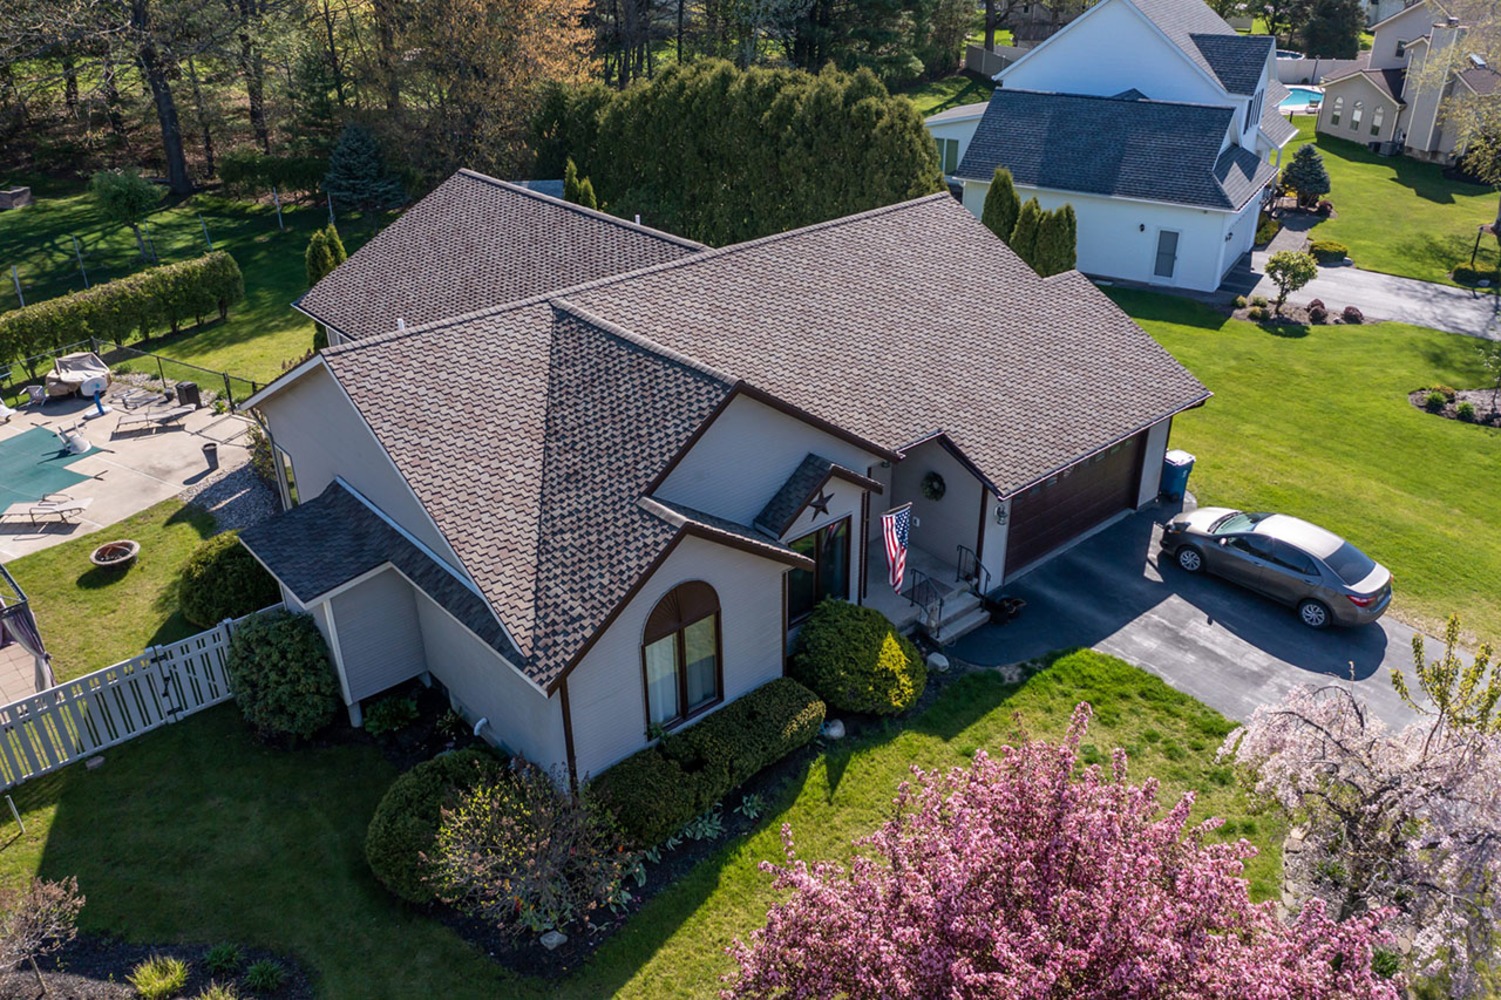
(151,419)
(59,506)
(35,395)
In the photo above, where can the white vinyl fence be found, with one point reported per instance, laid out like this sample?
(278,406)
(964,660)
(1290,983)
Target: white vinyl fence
(78,718)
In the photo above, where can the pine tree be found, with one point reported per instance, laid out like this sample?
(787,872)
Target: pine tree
(1307,176)
(1333,29)
(1002,205)
(586,194)
(1024,236)
(1057,237)
(571,182)
(319,261)
(357,174)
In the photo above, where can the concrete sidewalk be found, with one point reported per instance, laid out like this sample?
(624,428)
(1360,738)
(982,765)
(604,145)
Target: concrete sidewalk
(1383,296)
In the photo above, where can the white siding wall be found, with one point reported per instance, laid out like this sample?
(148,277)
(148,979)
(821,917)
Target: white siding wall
(605,691)
(1240,237)
(1151,463)
(745,457)
(993,556)
(521,717)
(314,422)
(1413,24)
(1109,50)
(1352,90)
(380,639)
(1113,245)
(947,523)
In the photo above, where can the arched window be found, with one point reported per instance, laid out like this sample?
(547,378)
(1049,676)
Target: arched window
(1378,118)
(1355,115)
(680,654)
(1339,109)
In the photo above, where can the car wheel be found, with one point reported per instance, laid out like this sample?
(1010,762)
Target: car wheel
(1314,614)
(1190,559)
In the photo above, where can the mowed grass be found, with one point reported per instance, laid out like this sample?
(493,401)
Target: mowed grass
(195,833)
(948,92)
(92,617)
(1399,216)
(261,332)
(1319,426)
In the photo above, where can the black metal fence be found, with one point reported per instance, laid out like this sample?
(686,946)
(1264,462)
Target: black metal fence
(156,369)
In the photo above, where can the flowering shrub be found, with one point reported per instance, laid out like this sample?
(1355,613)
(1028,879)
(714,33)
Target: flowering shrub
(1014,877)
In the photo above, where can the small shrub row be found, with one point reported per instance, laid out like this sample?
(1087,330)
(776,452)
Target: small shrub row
(854,658)
(655,792)
(1329,251)
(401,833)
(169,294)
(223,580)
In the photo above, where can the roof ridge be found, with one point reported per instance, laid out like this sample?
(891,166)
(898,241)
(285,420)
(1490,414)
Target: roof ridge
(1098,97)
(580,209)
(642,343)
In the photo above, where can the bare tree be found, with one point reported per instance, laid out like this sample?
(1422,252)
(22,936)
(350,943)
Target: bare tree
(36,921)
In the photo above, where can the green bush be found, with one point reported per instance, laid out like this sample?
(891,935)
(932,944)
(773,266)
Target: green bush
(158,977)
(278,665)
(409,814)
(653,793)
(1328,251)
(856,660)
(1466,412)
(390,715)
(1448,390)
(1256,314)
(1259,301)
(1267,229)
(265,976)
(223,580)
(218,991)
(1240,302)
(249,172)
(1435,401)
(223,959)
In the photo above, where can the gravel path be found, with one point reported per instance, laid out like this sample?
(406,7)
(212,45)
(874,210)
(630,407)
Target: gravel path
(237,498)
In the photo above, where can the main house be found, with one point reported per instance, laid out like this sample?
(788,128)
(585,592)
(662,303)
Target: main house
(602,507)
(1154,118)
(1396,102)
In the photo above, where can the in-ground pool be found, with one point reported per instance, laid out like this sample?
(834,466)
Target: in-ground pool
(1301,97)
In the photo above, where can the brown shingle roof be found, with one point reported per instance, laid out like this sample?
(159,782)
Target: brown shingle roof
(477,242)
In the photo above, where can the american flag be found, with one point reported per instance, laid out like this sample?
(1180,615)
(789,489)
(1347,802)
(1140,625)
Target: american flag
(894,528)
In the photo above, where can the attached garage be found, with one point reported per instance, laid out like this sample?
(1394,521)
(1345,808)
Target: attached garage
(1062,507)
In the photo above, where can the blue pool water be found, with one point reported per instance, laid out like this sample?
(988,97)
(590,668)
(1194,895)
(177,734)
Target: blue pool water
(1300,97)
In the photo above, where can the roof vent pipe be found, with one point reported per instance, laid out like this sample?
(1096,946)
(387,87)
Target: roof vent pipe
(401,324)
(638,218)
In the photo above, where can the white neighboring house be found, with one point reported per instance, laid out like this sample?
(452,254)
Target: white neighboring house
(1393,102)
(1155,119)
(952,130)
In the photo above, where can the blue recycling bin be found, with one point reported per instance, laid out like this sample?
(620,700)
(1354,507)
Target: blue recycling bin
(1176,465)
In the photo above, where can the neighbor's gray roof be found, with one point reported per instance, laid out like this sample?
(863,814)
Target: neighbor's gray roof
(535,474)
(1483,80)
(333,538)
(553,189)
(1237,61)
(1155,150)
(960,113)
(1273,125)
(477,242)
(1388,81)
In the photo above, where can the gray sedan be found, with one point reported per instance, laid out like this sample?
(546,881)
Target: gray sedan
(1327,579)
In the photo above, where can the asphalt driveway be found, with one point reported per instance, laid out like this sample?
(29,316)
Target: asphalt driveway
(1207,637)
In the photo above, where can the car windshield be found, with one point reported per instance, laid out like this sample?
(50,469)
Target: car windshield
(1239,521)
(1350,564)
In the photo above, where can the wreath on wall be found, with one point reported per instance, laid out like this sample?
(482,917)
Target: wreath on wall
(933,486)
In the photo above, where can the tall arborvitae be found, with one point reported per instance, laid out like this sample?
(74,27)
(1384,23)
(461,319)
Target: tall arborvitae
(1056,237)
(571,182)
(1028,227)
(586,194)
(1002,205)
(319,261)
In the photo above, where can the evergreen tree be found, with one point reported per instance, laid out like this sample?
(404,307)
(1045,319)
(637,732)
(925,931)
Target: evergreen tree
(586,194)
(357,175)
(1056,238)
(1333,29)
(319,261)
(571,182)
(335,245)
(1002,205)
(1307,176)
(1024,236)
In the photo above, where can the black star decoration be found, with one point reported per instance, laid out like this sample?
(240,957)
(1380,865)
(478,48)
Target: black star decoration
(820,504)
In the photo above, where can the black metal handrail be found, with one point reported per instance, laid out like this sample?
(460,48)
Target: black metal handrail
(925,595)
(972,571)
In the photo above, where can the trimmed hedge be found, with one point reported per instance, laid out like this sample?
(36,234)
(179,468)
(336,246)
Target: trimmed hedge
(406,822)
(857,661)
(282,678)
(166,295)
(248,172)
(223,580)
(654,792)
(1329,251)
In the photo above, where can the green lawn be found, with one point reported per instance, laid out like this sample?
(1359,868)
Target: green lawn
(949,92)
(1319,426)
(1399,216)
(196,834)
(261,332)
(92,617)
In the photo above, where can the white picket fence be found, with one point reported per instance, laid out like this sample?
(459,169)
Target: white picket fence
(79,718)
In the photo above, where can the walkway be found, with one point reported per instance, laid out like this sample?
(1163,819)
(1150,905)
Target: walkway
(1384,296)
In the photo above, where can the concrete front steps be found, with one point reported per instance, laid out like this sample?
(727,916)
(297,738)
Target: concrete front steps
(963,612)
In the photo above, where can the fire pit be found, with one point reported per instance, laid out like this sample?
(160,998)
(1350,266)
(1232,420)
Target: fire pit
(114,555)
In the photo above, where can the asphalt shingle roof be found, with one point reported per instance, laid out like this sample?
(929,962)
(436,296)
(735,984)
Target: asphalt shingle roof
(477,242)
(1276,128)
(1237,61)
(334,538)
(1155,150)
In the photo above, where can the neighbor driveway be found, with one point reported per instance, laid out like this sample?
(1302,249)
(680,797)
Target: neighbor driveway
(1384,296)
(1206,637)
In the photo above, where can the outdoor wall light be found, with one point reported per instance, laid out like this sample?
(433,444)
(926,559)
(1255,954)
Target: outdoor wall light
(1143,227)
(1001,513)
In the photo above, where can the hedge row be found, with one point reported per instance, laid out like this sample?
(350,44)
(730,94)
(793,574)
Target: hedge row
(654,792)
(248,172)
(160,296)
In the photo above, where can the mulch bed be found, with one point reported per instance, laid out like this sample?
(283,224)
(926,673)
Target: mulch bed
(1479,398)
(94,968)
(1294,316)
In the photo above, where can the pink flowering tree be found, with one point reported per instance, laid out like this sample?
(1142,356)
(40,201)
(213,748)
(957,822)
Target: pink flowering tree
(1411,819)
(1024,876)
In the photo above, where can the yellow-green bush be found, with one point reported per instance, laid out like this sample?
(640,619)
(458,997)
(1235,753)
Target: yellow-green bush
(854,658)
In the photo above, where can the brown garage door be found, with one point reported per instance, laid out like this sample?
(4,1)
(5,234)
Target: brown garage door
(1058,510)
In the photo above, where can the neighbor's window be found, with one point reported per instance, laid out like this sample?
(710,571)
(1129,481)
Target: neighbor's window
(1378,118)
(1355,116)
(1401,49)
(680,653)
(829,548)
(1339,109)
(288,477)
(948,154)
